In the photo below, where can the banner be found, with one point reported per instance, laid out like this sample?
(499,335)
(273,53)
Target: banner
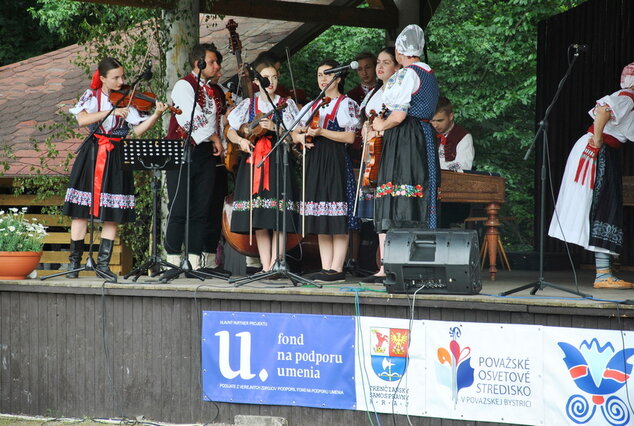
(487,372)
(278,359)
(506,373)
(587,373)
(390,366)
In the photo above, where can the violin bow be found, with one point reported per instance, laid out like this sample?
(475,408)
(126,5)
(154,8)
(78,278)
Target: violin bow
(290,71)
(361,172)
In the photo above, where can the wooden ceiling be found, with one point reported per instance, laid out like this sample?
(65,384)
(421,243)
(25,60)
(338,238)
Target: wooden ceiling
(379,14)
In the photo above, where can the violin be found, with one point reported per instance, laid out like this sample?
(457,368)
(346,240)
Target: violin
(253,130)
(232,153)
(314,119)
(375,149)
(143,101)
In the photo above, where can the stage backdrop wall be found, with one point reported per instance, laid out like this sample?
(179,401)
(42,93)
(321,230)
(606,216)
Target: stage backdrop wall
(606,26)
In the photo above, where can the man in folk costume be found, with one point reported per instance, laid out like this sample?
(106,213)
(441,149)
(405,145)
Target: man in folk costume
(589,210)
(456,153)
(206,144)
(455,143)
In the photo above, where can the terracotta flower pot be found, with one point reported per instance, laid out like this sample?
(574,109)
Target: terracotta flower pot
(16,265)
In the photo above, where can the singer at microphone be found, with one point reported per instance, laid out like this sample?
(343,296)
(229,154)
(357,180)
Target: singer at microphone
(351,66)
(264,81)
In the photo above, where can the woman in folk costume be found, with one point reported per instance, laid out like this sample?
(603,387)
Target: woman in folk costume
(262,194)
(386,66)
(589,210)
(329,181)
(409,175)
(113,187)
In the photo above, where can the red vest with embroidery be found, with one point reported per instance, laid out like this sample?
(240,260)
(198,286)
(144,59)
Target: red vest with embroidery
(175,131)
(451,142)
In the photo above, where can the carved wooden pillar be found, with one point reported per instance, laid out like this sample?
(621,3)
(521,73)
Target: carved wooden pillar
(492,236)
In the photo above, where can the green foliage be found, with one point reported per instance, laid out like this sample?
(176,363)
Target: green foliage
(75,21)
(22,36)
(484,55)
(339,43)
(19,234)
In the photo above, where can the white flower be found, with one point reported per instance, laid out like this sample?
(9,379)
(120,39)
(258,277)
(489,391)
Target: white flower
(13,210)
(23,209)
(12,228)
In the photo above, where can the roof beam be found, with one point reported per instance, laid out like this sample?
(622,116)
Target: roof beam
(386,17)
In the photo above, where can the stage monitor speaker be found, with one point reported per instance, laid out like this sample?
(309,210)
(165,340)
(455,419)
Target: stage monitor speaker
(441,261)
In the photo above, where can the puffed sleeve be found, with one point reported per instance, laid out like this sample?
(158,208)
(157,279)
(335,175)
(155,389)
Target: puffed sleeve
(240,114)
(135,117)
(620,106)
(348,115)
(87,102)
(399,89)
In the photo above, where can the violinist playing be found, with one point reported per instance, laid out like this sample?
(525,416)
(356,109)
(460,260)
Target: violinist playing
(257,196)
(329,180)
(113,188)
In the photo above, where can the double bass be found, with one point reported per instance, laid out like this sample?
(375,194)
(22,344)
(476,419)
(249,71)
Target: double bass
(232,155)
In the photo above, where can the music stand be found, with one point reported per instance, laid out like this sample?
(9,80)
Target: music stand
(540,284)
(154,155)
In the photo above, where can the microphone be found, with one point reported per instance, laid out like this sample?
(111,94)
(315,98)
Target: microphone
(147,72)
(580,47)
(201,64)
(264,81)
(352,65)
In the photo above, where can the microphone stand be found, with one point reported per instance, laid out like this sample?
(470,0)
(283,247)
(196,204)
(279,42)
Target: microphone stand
(280,267)
(185,266)
(90,263)
(540,284)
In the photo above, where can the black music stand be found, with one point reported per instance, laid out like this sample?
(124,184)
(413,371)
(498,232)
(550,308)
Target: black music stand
(540,283)
(154,155)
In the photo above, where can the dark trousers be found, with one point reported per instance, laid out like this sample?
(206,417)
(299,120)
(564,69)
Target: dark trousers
(202,177)
(214,225)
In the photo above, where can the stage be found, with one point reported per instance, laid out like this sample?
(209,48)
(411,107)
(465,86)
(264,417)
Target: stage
(84,349)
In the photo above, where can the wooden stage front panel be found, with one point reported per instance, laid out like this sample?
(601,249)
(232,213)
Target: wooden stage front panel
(79,348)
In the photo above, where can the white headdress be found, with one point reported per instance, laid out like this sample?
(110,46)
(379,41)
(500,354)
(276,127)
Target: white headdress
(410,41)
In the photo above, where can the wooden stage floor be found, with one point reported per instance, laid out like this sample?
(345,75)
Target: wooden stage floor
(284,289)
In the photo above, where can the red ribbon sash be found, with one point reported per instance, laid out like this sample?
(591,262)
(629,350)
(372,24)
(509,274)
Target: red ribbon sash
(105,146)
(262,148)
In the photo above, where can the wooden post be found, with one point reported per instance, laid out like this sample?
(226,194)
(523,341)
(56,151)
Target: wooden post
(492,236)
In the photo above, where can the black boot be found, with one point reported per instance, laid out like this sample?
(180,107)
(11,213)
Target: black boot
(76,252)
(103,259)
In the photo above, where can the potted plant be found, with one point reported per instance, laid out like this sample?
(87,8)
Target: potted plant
(21,243)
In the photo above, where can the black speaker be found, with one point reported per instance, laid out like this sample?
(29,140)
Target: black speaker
(441,261)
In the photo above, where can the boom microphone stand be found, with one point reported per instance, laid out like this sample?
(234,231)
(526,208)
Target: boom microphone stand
(90,263)
(185,266)
(540,284)
(280,267)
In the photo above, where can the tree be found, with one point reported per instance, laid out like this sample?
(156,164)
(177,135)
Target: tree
(484,54)
(21,35)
